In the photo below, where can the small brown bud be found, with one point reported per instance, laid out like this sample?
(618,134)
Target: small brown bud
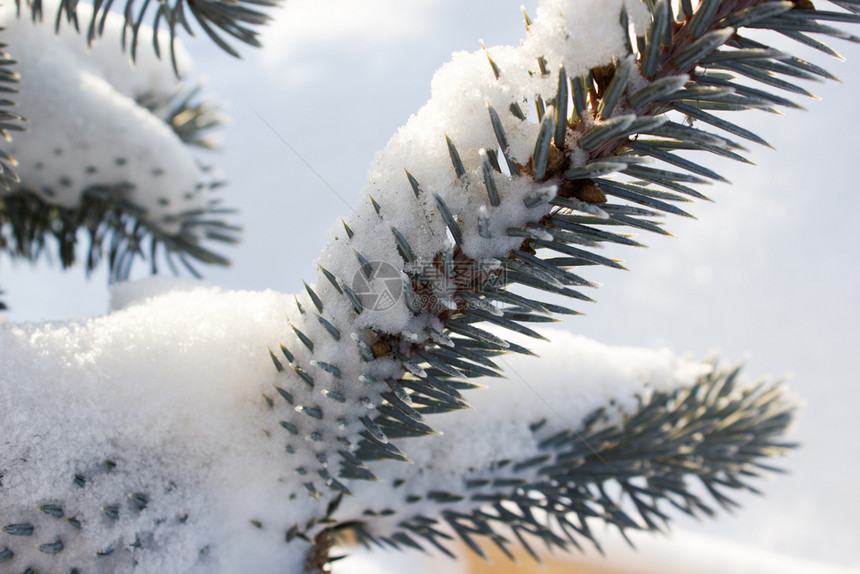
(380,348)
(583,190)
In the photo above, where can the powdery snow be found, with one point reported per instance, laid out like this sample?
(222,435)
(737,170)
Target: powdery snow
(170,389)
(85,128)
(461,92)
(573,377)
(209,463)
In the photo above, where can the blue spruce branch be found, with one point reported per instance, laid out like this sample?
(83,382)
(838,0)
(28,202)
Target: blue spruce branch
(653,457)
(419,296)
(36,216)
(458,297)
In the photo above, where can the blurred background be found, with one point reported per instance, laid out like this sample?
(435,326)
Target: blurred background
(767,274)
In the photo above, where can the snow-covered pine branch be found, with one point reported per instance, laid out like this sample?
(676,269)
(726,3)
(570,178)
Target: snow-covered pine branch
(145,437)
(516,470)
(520,152)
(472,200)
(106,149)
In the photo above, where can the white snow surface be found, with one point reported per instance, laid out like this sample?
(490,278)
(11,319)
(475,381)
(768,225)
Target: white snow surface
(84,126)
(579,35)
(573,377)
(170,389)
(176,387)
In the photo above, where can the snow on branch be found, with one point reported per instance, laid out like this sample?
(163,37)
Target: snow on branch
(525,162)
(637,431)
(145,437)
(199,430)
(106,150)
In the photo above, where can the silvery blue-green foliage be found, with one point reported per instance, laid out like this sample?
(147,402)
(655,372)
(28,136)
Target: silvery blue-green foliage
(650,105)
(237,19)
(630,473)
(377,345)
(610,156)
(119,228)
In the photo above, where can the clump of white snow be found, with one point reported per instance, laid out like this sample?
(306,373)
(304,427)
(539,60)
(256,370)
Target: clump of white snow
(577,35)
(590,29)
(196,449)
(85,128)
(170,390)
(573,377)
